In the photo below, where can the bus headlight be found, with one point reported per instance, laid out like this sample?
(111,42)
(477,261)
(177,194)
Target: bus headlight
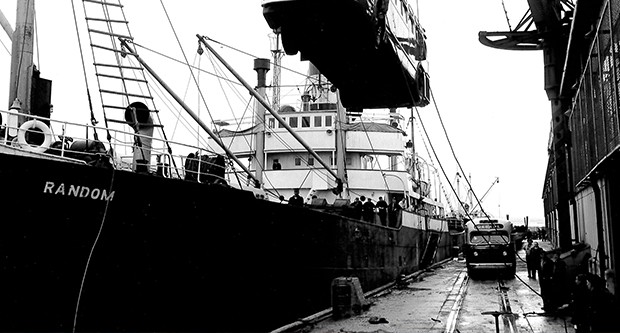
(475,253)
(504,253)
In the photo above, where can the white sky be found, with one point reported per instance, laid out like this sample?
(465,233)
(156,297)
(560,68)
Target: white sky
(492,102)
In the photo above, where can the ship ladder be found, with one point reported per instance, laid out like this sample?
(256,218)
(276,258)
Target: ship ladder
(430,250)
(120,81)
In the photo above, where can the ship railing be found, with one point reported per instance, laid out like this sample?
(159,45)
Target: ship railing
(64,136)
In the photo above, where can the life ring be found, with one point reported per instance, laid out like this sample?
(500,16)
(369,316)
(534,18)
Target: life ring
(41,126)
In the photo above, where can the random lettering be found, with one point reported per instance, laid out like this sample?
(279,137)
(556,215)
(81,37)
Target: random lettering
(77,191)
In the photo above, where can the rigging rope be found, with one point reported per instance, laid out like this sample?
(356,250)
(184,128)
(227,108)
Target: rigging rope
(36,36)
(454,155)
(179,116)
(186,61)
(434,151)
(432,147)
(182,62)
(372,148)
(506,13)
(255,57)
(7,50)
(217,68)
(431,161)
(92,250)
(93,120)
(239,121)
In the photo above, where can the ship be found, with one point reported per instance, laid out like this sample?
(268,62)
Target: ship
(372,51)
(371,150)
(117,228)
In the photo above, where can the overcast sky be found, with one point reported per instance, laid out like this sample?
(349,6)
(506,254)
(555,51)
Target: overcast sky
(492,102)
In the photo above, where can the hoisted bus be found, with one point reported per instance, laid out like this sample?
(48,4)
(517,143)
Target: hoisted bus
(489,246)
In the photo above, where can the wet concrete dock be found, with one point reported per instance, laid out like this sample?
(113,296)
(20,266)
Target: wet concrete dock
(445,299)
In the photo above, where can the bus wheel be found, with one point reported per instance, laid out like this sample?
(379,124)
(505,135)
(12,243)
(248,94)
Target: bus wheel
(510,272)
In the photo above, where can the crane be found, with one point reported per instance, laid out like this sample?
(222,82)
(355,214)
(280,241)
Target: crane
(495,181)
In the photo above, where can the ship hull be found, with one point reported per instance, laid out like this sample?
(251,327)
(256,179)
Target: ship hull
(343,40)
(120,251)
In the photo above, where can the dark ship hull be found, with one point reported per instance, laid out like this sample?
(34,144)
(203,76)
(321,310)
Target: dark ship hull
(350,44)
(175,255)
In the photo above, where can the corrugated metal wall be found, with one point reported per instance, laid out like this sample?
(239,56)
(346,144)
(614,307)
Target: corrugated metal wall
(594,118)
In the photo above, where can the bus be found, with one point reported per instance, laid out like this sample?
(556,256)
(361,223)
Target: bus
(489,246)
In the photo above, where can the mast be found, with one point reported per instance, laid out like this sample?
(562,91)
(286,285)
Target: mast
(341,146)
(21,57)
(261,66)
(274,114)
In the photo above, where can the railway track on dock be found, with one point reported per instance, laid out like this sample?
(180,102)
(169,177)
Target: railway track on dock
(446,300)
(503,315)
(492,304)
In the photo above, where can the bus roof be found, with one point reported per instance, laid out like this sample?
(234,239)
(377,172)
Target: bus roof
(488,220)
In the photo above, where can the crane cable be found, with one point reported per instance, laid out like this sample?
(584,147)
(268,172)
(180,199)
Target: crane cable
(506,13)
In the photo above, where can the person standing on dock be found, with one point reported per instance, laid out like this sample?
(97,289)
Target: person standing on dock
(553,285)
(382,210)
(533,261)
(527,248)
(296,199)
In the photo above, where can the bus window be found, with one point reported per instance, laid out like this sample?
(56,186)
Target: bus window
(491,237)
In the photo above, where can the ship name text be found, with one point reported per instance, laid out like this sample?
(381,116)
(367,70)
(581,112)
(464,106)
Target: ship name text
(78,191)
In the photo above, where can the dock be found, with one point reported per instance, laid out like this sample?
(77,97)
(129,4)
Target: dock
(444,299)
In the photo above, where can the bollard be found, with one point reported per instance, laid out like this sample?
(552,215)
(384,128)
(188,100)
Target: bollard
(347,297)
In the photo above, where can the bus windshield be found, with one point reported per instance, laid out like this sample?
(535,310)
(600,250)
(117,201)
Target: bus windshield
(492,237)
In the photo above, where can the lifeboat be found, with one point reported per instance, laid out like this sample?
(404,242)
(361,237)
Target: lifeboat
(369,49)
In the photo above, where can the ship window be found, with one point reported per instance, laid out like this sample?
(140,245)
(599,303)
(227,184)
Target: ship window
(328,121)
(292,121)
(348,161)
(310,160)
(280,125)
(318,121)
(272,123)
(297,160)
(305,121)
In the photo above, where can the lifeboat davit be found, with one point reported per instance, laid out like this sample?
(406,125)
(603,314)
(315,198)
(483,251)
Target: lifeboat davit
(369,49)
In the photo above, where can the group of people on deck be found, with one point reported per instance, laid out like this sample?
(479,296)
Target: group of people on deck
(365,209)
(588,301)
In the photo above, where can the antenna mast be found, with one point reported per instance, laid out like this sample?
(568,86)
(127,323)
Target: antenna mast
(277,53)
